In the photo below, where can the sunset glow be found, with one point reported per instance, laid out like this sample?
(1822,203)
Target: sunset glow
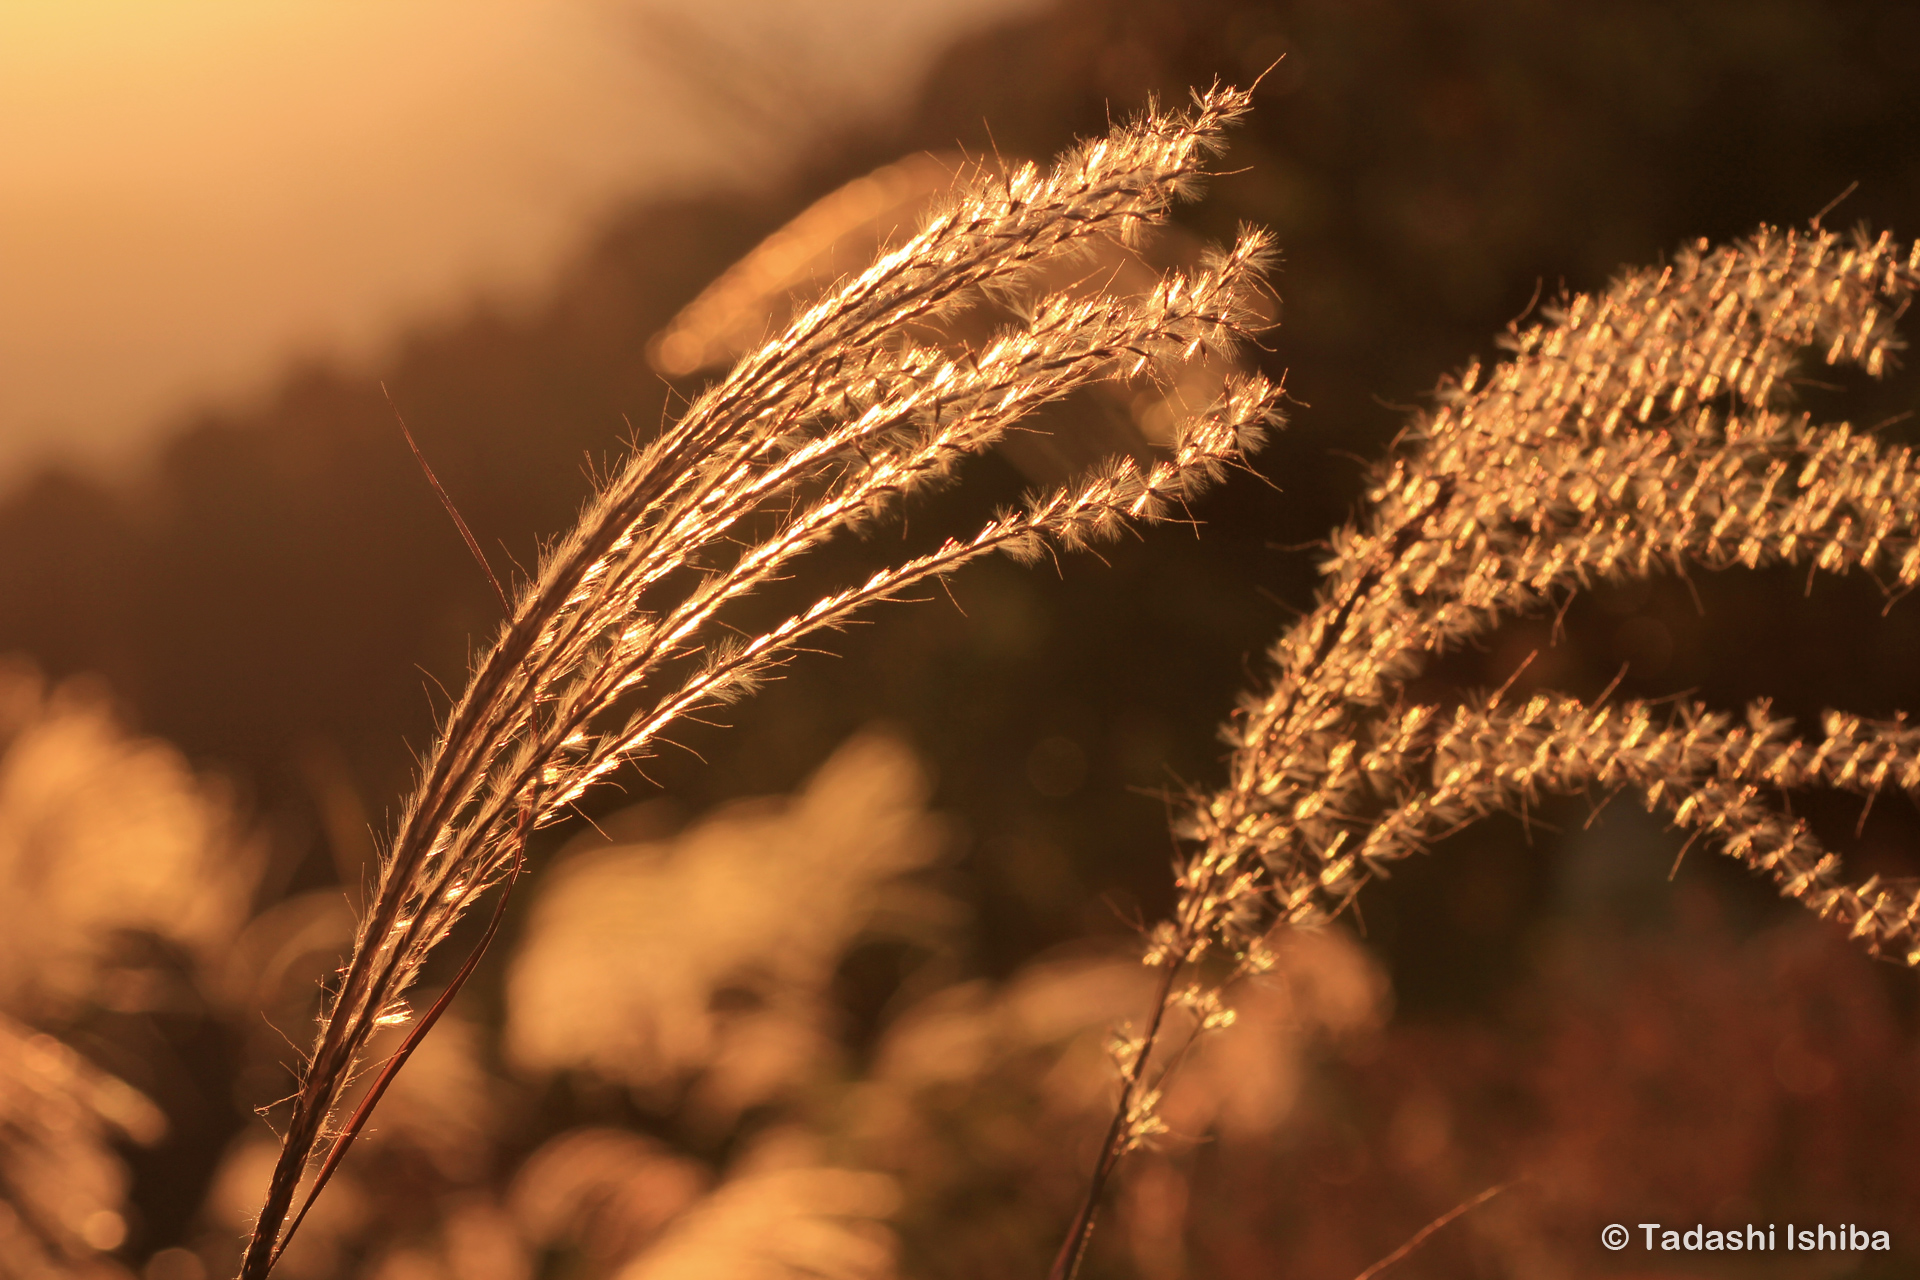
(195,190)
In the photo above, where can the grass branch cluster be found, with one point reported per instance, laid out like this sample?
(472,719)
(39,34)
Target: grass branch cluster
(627,625)
(1641,431)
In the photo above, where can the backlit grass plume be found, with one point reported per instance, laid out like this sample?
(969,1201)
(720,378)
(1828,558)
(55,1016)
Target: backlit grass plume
(1637,432)
(625,627)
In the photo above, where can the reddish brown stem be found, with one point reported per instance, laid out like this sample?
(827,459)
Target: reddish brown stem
(1072,1250)
(391,1068)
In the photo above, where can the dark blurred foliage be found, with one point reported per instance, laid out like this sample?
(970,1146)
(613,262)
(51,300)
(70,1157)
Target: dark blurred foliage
(272,593)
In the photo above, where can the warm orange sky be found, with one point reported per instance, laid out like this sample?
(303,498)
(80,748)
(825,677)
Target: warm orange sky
(191,190)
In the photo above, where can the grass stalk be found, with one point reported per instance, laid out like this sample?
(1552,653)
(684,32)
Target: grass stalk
(625,626)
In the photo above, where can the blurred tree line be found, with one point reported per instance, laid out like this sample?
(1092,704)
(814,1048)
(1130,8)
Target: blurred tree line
(270,594)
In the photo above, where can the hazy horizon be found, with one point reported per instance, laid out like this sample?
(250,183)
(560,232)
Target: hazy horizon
(200,191)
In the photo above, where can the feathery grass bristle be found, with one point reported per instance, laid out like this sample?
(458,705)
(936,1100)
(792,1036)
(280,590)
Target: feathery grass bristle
(829,426)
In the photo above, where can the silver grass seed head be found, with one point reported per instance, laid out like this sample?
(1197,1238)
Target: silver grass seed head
(1628,367)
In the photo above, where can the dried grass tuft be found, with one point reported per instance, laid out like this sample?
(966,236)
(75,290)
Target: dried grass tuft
(625,627)
(1641,431)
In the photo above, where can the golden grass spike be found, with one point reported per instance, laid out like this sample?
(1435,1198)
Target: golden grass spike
(624,628)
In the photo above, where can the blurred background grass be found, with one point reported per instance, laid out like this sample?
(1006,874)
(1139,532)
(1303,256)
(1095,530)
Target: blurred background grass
(265,587)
